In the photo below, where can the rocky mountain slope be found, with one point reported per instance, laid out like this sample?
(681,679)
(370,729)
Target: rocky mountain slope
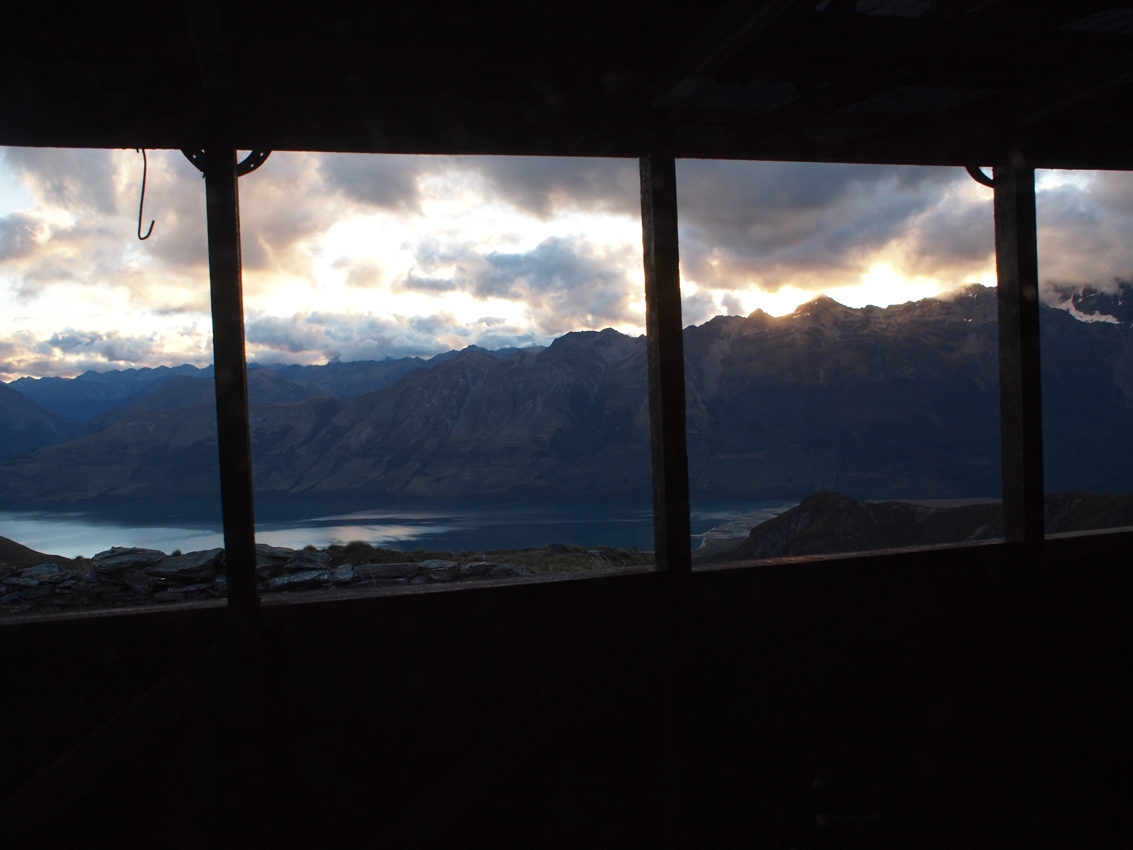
(25,425)
(894,402)
(264,387)
(830,523)
(347,380)
(890,403)
(92,393)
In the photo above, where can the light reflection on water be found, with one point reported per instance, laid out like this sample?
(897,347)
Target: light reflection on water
(392,535)
(446,525)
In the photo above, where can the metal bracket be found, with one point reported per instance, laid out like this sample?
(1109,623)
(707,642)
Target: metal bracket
(246,166)
(980,176)
(251,162)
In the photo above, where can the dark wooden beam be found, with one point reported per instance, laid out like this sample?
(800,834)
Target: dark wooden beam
(1020,377)
(665,346)
(667,426)
(222,201)
(729,30)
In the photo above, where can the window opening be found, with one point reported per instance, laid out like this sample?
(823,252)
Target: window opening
(1086,315)
(109,480)
(841,358)
(446,369)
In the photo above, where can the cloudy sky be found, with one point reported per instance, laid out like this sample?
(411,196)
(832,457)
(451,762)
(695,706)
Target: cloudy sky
(363,257)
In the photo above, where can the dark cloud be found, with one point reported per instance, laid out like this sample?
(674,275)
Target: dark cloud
(70,178)
(440,267)
(432,285)
(732,305)
(70,340)
(536,185)
(1085,232)
(697,307)
(71,352)
(320,336)
(108,347)
(773,223)
(437,324)
(18,234)
(83,226)
(818,226)
(389,182)
(554,264)
(283,207)
(565,283)
(1112,191)
(511,338)
(175,200)
(543,186)
(433,254)
(539,186)
(952,233)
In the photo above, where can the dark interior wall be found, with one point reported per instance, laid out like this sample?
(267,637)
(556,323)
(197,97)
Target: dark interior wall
(944,699)
(953,699)
(522,715)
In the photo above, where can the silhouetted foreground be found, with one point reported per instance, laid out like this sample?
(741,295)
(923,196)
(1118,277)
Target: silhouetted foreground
(830,523)
(31,580)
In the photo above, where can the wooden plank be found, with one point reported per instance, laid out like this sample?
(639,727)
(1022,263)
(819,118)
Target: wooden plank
(81,771)
(222,201)
(1020,376)
(665,345)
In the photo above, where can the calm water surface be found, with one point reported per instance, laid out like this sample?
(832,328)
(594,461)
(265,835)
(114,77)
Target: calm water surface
(449,525)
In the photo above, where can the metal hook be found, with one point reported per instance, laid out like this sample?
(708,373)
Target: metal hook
(142,202)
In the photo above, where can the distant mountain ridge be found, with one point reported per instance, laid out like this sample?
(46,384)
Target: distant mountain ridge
(265,386)
(900,402)
(93,400)
(91,393)
(84,397)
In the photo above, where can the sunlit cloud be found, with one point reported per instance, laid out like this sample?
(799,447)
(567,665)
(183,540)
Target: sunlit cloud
(776,233)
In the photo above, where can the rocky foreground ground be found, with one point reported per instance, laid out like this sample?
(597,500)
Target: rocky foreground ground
(822,524)
(830,524)
(31,581)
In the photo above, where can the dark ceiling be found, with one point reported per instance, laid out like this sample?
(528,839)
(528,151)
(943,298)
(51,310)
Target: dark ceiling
(922,81)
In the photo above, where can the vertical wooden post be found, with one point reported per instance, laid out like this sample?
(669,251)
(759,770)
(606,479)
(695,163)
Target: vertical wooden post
(671,532)
(665,347)
(1020,376)
(222,203)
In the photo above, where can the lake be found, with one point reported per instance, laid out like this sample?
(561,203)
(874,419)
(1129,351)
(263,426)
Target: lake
(448,525)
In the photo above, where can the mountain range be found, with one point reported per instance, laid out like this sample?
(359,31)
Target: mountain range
(897,402)
(92,393)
